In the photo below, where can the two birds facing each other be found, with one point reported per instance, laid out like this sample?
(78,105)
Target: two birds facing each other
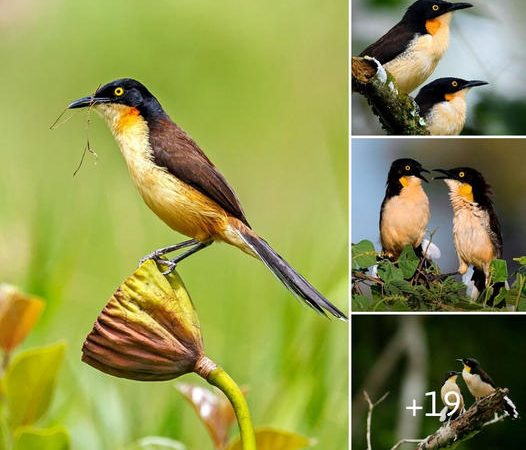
(410,52)
(405,214)
(479,384)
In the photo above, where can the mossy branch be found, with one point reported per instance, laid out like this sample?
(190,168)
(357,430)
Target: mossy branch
(397,112)
(483,413)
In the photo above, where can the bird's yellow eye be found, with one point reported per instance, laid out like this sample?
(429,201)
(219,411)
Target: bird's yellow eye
(454,83)
(435,7)
(407,168)
(118,91)
(461,174)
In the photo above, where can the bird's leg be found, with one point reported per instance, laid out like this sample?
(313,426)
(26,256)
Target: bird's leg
(156,255)
(172,263)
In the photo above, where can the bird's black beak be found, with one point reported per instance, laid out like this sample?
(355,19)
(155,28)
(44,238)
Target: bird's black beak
(446,176)
(419,175)
(456,6)
(474,83)
(84,102)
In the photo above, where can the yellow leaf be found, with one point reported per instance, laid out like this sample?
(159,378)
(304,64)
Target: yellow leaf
(272,439)
(18,314)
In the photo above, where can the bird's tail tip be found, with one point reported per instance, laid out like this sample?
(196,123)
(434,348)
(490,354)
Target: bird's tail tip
(295,282)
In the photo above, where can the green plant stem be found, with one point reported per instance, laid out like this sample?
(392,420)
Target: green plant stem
(219,378)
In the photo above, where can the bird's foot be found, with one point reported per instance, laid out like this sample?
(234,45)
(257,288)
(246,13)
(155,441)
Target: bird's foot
(168,263)
(160,261)
(157,254)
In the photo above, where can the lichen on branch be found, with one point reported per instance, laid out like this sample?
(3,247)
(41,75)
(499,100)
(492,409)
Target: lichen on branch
(397,112)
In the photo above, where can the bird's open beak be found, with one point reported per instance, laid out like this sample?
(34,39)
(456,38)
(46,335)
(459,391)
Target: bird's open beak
(460,360)
(475,83)
(422,176)
(446,176)
(84,102)
(456,6)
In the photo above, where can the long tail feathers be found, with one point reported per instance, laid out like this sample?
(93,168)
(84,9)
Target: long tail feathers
(289,277)
(510,408)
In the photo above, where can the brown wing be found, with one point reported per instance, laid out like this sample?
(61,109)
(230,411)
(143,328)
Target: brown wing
(180,155)
(391,44)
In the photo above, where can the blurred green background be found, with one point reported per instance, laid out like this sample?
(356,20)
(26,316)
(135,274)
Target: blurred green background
(262,87)
(408,356)
(483,46)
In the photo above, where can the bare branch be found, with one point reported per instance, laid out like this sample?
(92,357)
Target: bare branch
(370,414)
(397,112)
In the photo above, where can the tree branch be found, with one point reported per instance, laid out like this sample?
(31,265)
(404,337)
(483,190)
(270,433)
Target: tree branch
(370,414)
(397,112)
(481,414)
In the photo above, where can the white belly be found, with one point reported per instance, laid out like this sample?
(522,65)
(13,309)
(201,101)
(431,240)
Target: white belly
(417,64)
(476,386)
(447,118)
(472,241)
(404,220)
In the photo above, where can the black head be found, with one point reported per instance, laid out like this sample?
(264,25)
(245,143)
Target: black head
(451,373)
(441,90)
(472,363)
(468,179)
(406,167)
(125,91)
(423,10)
(400,175)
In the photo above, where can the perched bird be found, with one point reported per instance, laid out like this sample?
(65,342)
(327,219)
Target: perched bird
(442,104)
(404,213)
(476,228)
(480,384)
(450,385)
(182,186)
(411,50)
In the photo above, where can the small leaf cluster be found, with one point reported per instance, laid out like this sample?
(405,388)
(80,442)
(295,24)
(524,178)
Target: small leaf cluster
(412,284)
(27,382)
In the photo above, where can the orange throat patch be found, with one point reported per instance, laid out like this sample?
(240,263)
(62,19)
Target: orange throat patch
(432,26)
(129,117)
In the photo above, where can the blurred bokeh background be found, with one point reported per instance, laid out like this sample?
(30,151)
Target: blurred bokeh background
(484,45)
(262,87)
(499,160)
(408,356)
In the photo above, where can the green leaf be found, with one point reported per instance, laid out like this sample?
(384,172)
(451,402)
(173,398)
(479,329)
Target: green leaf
(156,443)
(29,438)
(521,260)
(363,255)
(500,297)
(388,272)
(360,303)
(29,383)
(273,439)
(499,270)
(408,261)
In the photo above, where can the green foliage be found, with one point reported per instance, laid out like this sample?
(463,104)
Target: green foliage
(363,255)
(30,381)
(156,443)
(407,284)
(30,438)
(271,439)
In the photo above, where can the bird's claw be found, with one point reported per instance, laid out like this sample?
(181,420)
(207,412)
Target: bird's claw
(170,264)
(160,260)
